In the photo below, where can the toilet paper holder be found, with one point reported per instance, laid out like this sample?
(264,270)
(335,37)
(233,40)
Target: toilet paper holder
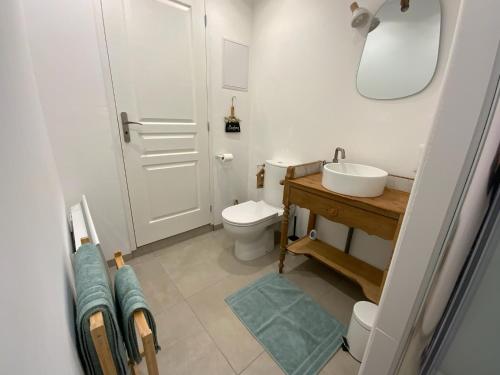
(224,157)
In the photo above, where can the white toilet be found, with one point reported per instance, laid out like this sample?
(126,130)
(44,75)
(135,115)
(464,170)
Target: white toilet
(251,223)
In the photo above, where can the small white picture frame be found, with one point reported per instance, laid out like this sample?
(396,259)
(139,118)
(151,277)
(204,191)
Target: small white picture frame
(235,61)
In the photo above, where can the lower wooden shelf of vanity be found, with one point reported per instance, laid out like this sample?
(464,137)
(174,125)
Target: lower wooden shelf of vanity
(368,277)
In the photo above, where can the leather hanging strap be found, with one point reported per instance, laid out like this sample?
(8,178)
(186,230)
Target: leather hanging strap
(260,178)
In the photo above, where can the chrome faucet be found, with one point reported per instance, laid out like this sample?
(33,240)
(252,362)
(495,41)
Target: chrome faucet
(336,156)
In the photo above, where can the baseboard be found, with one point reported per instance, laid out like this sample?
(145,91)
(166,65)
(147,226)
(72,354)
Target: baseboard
(166,242)
(217,226)
(158,245)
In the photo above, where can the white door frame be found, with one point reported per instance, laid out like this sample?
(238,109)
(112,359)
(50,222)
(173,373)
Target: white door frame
(116,129)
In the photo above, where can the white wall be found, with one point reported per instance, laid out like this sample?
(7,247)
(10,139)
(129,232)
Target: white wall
(452,258)
(81,127)
(35,270)
(302,93)
(305,57)
(459,108)
(227,19)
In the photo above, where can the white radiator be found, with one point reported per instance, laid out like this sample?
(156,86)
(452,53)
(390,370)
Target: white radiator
(82,224)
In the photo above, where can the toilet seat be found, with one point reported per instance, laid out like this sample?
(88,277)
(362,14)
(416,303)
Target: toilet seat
(251,224)
(250,213)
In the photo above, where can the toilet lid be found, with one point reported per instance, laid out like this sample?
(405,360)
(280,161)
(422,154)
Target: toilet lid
(365,313)
(250,213)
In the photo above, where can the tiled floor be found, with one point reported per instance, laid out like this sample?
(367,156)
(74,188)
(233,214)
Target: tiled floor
(186,284)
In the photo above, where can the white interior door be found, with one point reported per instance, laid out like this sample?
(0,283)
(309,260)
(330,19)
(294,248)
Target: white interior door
(158,65)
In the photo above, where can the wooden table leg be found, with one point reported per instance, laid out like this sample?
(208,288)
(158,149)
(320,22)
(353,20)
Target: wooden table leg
(284,236)
(394,241)
(311,224)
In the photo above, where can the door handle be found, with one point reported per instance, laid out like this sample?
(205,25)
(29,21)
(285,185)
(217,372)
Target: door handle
(125,126)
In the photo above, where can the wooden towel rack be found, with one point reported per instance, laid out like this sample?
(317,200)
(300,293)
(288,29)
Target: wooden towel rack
(101,344)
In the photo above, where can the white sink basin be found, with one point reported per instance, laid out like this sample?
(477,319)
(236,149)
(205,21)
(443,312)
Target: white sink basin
(354,179)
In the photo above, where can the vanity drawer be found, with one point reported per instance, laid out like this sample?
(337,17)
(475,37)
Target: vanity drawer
(370,222)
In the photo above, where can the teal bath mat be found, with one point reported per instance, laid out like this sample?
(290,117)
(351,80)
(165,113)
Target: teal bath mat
(298,334)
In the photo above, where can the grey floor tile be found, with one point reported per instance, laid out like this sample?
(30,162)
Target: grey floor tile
(161,297)
(193,355)
(263,365)
(148,271)
(186,285)
(341,364)
(196,277)
(181,255)
(159,289)
(176,324)
(338,304)
(306,276)
(232,338)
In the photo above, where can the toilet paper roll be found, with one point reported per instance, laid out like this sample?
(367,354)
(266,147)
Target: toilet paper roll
(225,157)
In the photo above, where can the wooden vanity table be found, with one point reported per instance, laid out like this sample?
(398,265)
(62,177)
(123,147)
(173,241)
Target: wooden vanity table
(380,216)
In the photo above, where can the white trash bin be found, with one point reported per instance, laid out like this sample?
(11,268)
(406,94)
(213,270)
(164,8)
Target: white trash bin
(362,318)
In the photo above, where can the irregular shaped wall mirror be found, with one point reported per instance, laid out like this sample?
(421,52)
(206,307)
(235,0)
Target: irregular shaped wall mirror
(401,50)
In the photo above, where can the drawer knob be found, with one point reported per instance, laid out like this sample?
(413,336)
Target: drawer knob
(333,211)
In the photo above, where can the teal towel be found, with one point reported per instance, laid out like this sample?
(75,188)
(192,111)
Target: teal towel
(93,294)
(297,333)
(130,298)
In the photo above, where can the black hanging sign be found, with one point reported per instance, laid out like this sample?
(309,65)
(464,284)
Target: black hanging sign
(232,122)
